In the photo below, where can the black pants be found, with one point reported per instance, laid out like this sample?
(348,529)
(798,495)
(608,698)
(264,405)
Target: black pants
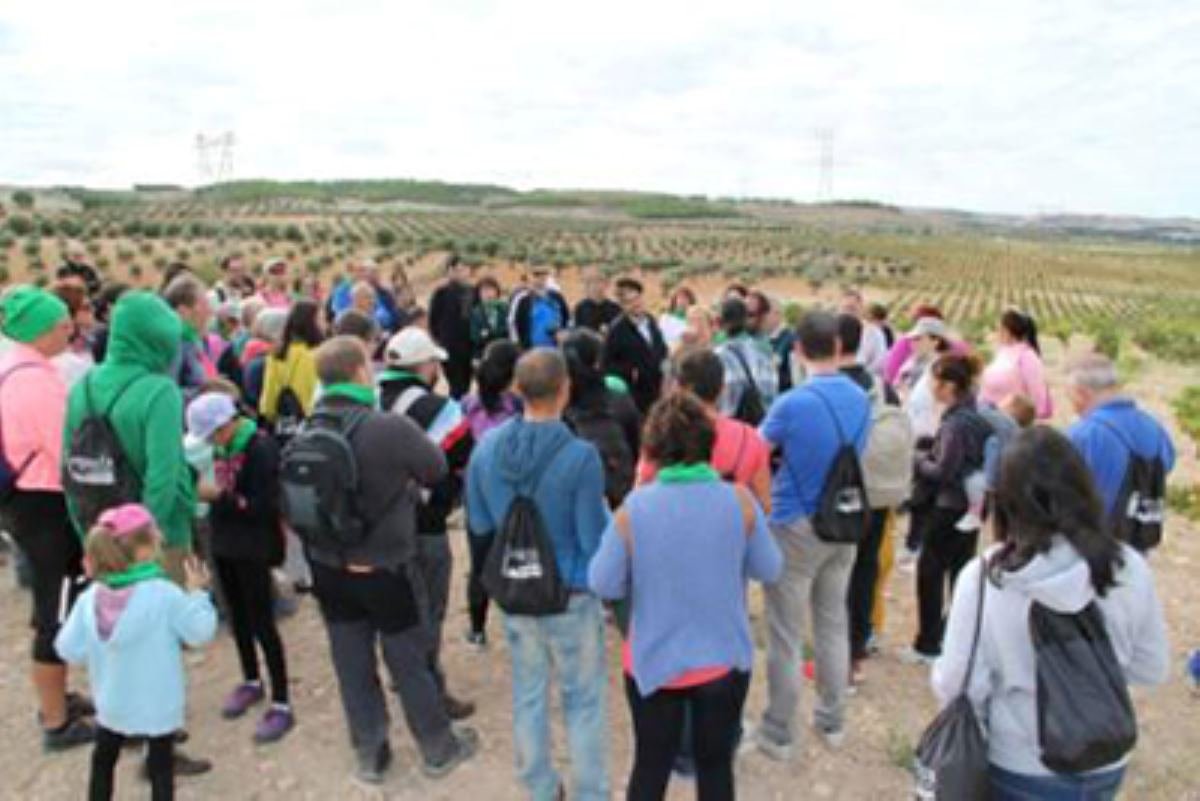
(160,765)
(458,373)
(477,599)
(248,591)
(716,712)
(38,522)
(944,552)
(863,578)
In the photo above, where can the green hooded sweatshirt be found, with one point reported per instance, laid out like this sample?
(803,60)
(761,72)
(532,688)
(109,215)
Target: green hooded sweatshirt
(143,345)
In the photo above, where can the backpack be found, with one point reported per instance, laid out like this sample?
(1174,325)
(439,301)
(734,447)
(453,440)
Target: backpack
(319,482)
(599,427)
(96,471)
(750,408)
(289,415)
(1085,717)
(10,474)
(521,572)
(1137,517)
(843,513)
(887,461)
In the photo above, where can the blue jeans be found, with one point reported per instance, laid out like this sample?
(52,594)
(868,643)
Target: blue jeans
(573,644)
(1007,786)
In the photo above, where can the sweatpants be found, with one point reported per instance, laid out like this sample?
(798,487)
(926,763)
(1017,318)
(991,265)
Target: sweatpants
(160,765)
(432,567)
(249,593)
(944,552)
(863,579)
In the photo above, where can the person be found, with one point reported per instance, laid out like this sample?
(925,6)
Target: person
(634,349)
(902,350)
(1017,366)
(940,501)
(365,593)
(232,283)
(674,321)
(698,332)
(274,292)
(413,366)
(539,313)
(746,362)
(224,344)
(1054,552)
(77,264)
(74,362)
(537,454)
(682,548)
(130,628)
(489,316)
(450,324)
(188,298)
(246,543)
(493,405)
(291,369)
(597,310)
(264,338)
(873,349)
(809,425)
(1111,426)
(377,301)
(33,400)
(929,338)
(877,315)
(781,338)
(739,454)
(102,306)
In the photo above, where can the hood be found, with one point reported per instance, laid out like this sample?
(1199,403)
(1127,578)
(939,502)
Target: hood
(1058,579)
(145,332)
(524,449)
(120,617)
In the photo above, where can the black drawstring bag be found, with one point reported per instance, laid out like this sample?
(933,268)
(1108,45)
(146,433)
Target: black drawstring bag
(952,757)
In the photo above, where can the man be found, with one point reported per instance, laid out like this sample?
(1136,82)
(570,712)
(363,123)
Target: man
(746,362)
(384,310)
(873,351)
(275,292)
(1110,425)
(188,298)
(807,425)
(450,323)
(537,454)
(232,283)
(597,311)
(635,349)
(366,595)
(782,338)
(77,264)
(540,313)
(413,366)
(33,403)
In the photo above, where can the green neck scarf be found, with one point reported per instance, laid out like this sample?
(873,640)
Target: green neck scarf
(357,393)
(245,432)
(137,572)
(687,473)
(399,374)
(190,334)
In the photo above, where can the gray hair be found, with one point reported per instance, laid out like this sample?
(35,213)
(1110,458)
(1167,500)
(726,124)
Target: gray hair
(540,374)
(269,325)
(1095,372)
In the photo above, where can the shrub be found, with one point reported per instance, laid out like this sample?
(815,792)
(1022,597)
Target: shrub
(1108,342)
(20,225)
(23,199)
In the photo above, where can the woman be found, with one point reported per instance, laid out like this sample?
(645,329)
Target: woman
(940,500)
(489,315)
(673,323)
(78,358)
(290,378)
(681,549)
(902,350)
(1017,368)
(1054,551)
(929,339)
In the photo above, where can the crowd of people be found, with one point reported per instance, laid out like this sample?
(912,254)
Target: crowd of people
(150,439)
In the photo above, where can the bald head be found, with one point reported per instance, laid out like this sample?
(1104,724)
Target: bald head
(541,380)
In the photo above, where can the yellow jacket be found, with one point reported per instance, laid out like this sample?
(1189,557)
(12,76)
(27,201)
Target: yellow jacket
(298,371)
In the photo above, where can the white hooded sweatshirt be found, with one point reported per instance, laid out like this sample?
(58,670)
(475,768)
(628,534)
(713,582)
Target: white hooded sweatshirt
(1004,685)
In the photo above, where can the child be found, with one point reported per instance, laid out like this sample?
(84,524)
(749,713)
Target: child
(1014,413)
(246,541)
(129,627)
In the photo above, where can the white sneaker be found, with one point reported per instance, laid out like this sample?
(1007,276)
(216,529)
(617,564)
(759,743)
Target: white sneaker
(911,656)
(969,522)
(769,748)
(834,738)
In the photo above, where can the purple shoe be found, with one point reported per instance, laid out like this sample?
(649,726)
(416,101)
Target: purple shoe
(242,698)
(274,725)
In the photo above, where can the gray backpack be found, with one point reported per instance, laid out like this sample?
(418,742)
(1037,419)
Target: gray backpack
(887,461)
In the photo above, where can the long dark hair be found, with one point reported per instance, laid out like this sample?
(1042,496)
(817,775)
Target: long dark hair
(495,373)
(584,352)
(1021,327)
(303,325)
(1046,490)
(959,371)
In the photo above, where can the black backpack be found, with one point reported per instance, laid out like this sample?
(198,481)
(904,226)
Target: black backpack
(1137,517)
(96,471)
(601,428)
(9,473)
(521,572)
(843,513)
(320,482)
(1085,717)
(750,408)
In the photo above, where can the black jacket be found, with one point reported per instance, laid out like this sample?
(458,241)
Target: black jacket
(523,315)
(637,361)
(596,315)
(245,518)
(958,450)
(450,317)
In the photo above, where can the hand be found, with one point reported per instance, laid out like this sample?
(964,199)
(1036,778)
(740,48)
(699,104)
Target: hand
(195,573)
(207,491)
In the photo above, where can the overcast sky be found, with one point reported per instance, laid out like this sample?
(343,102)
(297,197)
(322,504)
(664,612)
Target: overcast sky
(1017,106)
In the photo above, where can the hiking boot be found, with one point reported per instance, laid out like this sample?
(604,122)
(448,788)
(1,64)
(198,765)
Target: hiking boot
(241,699)
(80,706)
(371,769)
(456,709)
(466,744)
(278,721)
(834,738)
(72,733)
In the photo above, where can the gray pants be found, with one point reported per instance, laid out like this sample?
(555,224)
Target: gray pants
(815,577)
(430,574)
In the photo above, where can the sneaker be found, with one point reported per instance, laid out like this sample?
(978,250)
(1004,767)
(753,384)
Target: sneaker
(911,656)
(466,742)
(969,522)
(72,733)
(456,709)
(241,699)
(779,752)
(278,721)
(477,640)
(874,645)
(372,769)
(184,766)
(834,738)
(283,607)
(80,706)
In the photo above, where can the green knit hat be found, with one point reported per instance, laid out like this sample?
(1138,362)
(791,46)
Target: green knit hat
(27,312)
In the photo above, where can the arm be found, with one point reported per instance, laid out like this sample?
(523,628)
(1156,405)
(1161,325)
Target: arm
(415,454)
(764,560)
(72,639)
(1150,661)
(896,358)
(167,476)
(951,667)
(608,573)
(760,486)
(1033,379)
(258,499)
(193,618)
(774,428)
(944,462)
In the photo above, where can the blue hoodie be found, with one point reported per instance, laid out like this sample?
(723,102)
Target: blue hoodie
(1107,456)
(566,478)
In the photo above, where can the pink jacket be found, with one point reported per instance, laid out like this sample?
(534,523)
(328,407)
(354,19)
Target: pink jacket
(33,410)
(1017,369)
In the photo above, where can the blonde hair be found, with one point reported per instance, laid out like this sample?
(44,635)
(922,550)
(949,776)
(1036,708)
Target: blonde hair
(107,553)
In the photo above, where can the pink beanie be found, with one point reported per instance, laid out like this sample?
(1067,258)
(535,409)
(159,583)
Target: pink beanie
(127,519)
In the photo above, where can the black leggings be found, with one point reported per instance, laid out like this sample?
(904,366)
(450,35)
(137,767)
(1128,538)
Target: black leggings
(944,552)
(716,713)
(247,588)
(477,599)
(160,765)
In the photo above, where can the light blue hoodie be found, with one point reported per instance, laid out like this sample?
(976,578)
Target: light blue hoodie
(136,672)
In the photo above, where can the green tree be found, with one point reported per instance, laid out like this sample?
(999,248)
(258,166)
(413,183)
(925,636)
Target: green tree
(23,199)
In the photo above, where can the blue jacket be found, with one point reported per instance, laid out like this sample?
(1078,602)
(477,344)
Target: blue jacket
(387,316)
(1106,455)
(136,674)
(563,473)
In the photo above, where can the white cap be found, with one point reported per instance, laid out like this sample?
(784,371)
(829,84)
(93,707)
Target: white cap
(412,346)
(209,412)
(930,327)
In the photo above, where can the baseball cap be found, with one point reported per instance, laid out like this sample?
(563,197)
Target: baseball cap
(930,327)
(208,412)
(270,265)
(412,346)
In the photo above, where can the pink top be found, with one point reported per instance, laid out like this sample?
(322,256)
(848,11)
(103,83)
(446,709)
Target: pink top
(273,299)
(739,453)
(898,356)
(685,680)
(33,412)
(1017,369)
